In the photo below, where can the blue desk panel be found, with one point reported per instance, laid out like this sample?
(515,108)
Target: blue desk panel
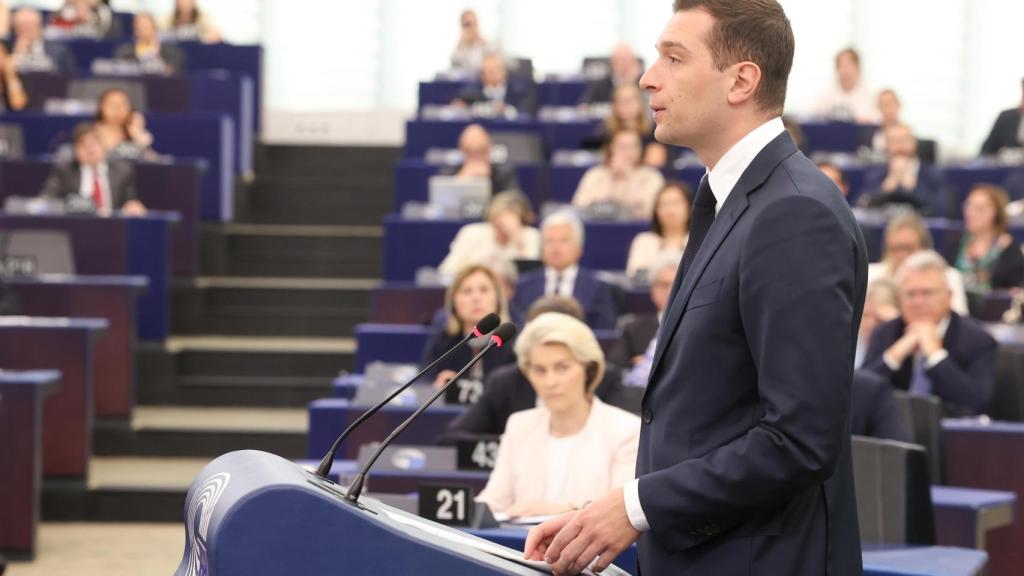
(329,417)
(162,187)
(412,244)
(116,246)
(206,135)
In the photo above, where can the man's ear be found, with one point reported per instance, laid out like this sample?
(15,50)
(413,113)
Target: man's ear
(746,79)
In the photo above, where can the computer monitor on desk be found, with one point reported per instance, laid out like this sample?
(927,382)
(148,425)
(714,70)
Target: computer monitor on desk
(459,197)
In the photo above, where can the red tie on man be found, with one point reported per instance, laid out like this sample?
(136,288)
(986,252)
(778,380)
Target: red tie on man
(97,190)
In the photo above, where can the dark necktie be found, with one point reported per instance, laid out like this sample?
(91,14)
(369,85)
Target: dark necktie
(701,218)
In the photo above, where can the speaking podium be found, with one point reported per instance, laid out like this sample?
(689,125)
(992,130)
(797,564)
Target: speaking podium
(252,513)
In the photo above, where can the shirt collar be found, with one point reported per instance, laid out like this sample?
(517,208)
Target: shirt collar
(734,163)
(942,327)
(569,272)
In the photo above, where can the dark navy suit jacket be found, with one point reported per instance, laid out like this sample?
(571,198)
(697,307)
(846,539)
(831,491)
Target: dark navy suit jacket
(932,192)
(744,462)
(599,309)
(965,380)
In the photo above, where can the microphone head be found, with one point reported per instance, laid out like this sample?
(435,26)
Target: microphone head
(486,325)
(504,333)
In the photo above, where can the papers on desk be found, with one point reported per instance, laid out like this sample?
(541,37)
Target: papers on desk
(483,546)
(523,520)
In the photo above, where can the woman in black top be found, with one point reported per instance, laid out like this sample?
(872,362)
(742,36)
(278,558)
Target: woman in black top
(475,292)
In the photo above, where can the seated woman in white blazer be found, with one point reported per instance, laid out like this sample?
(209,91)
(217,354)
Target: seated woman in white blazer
(572,448)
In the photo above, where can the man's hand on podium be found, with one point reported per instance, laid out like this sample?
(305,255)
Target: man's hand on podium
(571,542)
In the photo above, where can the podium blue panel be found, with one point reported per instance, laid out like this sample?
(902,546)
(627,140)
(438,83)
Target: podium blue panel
(328,417)
(234,94)
(963,178)
(206,135)
(253,514)
(66,345)
(112,298)
(421,135)
(963,516)
(163,187)
(21,456)
(412,182)
(118,246)
(413,244)
(987,455)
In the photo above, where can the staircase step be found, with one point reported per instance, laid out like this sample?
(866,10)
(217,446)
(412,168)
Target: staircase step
(327,161)
(182,431)
(291,250)
(301,307)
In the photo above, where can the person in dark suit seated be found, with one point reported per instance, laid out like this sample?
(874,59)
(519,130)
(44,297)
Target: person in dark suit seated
(502,95)
(506,389)
(147,49)
(905,180)
(32,52)
(873,409)
(122,129)
(930,349)
(475,145)
(1008,131)
(562,275)
(638,332)
(109,184)
(12,91)
(474,293)
(989,258)
(624,68)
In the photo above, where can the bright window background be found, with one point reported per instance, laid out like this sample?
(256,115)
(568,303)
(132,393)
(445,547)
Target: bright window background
(955,63)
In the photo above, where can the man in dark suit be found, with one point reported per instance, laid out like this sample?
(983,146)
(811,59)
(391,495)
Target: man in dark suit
(874,411)
(623,68)
(930,349)
(148,50)
(475,145)
(562,247)
(906,180)
(31,52)
(744,464)
(635,346)
(108,184)
(495,88)
(1007,132)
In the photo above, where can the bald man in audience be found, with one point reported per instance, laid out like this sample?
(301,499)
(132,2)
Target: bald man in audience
(929,349)
(476,147)
(503,95)
(623,68)
(906,180)
(31,52)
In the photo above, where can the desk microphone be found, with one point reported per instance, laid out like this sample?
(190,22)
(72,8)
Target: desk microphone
(503,334)
(484,326)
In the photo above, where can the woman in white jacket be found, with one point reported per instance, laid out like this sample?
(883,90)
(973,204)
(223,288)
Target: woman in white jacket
(572,448)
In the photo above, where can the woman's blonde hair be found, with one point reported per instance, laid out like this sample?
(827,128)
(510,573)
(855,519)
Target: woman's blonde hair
(556,328)
(613,124)
(454,325)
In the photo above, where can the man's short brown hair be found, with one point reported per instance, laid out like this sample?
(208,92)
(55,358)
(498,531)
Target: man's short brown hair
(751,31)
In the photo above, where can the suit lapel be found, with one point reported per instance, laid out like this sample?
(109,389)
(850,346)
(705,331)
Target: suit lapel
(735,205)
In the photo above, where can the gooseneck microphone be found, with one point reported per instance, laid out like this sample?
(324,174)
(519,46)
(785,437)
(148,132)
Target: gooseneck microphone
(484,326)
(503,334)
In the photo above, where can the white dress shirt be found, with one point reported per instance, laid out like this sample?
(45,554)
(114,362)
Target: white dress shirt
(858,105)
(566,280)
(86,185)
(722,178)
